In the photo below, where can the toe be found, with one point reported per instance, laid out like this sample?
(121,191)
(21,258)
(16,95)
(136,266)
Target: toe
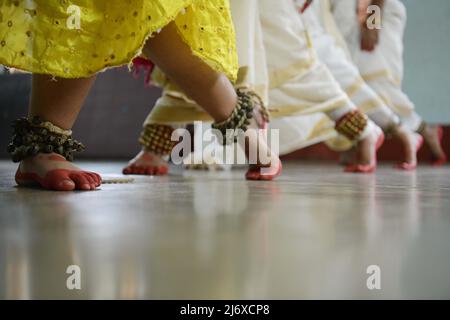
(98,178)
(126,170)
(405,166)
(65,185)
(58,180)
(253,174)
(270,173)
(163,170)
(140,170)
(81,182)
(91,180)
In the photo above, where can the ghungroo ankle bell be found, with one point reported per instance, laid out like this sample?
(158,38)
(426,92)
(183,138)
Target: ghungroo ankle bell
(157,138)
(352,125)
(36,136)
(242,114)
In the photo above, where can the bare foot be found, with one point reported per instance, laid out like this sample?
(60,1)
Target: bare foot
(147,163)
(261,169)
(411,143)
(433,139)
(366,153)
(53,172)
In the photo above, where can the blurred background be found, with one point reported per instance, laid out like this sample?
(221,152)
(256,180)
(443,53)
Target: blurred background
(110,122)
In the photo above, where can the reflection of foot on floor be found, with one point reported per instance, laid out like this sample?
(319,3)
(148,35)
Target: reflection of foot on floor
(147,163)
(54,172)
(433,136)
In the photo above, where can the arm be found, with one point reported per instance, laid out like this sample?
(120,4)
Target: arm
(369,37)
(306,5)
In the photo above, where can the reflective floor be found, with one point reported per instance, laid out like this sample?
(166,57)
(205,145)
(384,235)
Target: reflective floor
(311,234)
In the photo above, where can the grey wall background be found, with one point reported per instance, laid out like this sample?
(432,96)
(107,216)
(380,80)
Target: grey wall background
(111,120)
(427,58)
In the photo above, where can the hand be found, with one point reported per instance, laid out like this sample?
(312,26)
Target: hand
(306,5)
(369,38)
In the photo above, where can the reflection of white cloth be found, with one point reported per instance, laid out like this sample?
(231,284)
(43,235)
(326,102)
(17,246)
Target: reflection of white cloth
(382,69)
(332,51)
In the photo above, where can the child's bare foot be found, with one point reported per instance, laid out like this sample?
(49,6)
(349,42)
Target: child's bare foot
(433,138)
(264,169)
(147,163)
(411,143)
(366,152)
(52,171)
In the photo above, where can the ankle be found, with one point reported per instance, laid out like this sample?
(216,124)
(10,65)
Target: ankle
(35,136)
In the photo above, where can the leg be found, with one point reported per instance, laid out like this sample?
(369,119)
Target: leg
(433,136)
(391,125)
(211,90)
(367,137)
(366,150)
(58,102)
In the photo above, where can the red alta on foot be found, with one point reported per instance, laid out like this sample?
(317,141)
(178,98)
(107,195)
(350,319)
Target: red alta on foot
(149,170)
(367,168)
(264,173)
(61,180)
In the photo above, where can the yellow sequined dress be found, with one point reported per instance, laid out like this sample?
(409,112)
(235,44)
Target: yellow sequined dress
(78,38)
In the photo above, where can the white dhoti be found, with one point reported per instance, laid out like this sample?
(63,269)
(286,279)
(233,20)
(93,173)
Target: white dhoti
(299,83)
(382,69)
(333,52)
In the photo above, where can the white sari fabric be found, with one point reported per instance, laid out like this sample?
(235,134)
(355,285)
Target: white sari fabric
(333,52)
(382,69)
(304,96)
